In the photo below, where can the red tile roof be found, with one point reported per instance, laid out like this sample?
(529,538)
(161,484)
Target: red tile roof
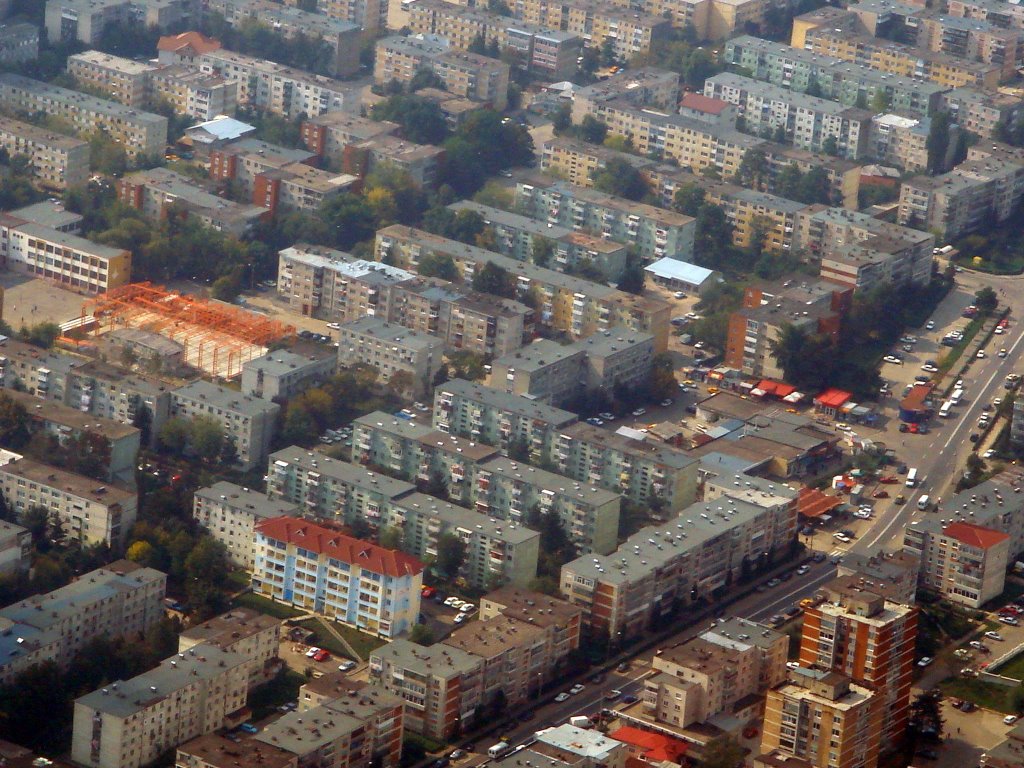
(811,502)
(975,535)
(197,40)
(656,746)
(317,538)
(702,103)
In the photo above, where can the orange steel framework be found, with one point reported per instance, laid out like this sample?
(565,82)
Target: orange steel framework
(215,333)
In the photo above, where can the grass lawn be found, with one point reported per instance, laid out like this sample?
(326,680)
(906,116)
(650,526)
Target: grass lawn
(986,695)
(265,605)
(360,641)
(271,695)
(1013,668)
(239,579)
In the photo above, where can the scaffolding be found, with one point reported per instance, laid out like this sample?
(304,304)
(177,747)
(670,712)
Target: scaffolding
(216,337)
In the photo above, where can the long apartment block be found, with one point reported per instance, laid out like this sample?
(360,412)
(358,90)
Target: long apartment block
(340,492)
(465,74)
(56,160)
(229,513)
(341,37)
(808,122)
(88,20)
(333,285)
(690,557)
(984,112)
(522,238)
(566,303)
(654,232)
(141,133)
(843,81)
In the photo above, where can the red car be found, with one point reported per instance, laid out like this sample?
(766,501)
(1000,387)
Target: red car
(889,480)
(428,592)
(321,655)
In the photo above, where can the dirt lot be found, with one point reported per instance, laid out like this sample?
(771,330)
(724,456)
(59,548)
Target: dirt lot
(29,300)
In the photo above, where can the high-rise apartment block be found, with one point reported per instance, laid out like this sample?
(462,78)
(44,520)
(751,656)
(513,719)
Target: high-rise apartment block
(56,160)
(254,635)
(391,349)
(229,513)
(961,562)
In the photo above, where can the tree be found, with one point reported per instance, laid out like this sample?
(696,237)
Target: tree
(632,278)
(422,120)
(421,635)
(926,715)
(815,187)
(13,423)
(621,178)
(753,168)
(174,435)
(451,553)
(712,236)
(401,383)
(593,130)
(142,552)
(937,143)
(37,520)
(880,101)
(206,569)
(495,280)
(437,485)
(808,360)
(438,265)
(206,437)
(390,537)
(662,380)
(722,752)
(830,146)
(689,198)
(541,251)
(986,300)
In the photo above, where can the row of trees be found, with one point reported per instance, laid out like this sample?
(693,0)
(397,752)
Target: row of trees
(252,36)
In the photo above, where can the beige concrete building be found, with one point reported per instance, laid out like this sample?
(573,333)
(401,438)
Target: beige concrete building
(391,349)
(961,562)
(141,133)
(982,112)
(56,160)
(229,513)
(245,632)
(216,751)
(328,135)
(124,80)
(201,95)
(15,549)
(130,723)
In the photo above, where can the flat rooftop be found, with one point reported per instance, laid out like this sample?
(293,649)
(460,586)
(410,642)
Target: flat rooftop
(72,418)
(342,471)
(46,476)
(228,628)
(218,751)
(239,498)
(505,401)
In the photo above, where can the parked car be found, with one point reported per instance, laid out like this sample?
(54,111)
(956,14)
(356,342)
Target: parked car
(346,666)
(991,635)
(578,688)
(1010,719)
(925,661)
(313,651)
(321,655)
(248,728)
(562,697)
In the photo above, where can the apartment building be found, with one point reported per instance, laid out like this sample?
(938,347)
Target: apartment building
(984,113)
(751,212)
(124,80)
(184,48)
(229,513)
(973,39)
(723,672)
(332,489)
(141,133)
(340,36)
(299,187)
(362,585)
(391,349)
(885,56)
(975,193)
(822,719)
(120,600)
(691,556)
(561,620)
(900,141)
(245,160)
(281,90)
(559,374)
(861,251)
(857,633)
(19,43)
(216,751)
(15,549)
(201,95)
(248,421)
(565,303)
(87,20)
(521,238)
(161,192)
(421,162)
(550,53)
(88,510)
(130,723)
(497,551)
(843,81)
(441,686)
(465,74)
(988,10)
(808,122)
(282,374)
(249,633)
(64,423)
(815,306)
(654,232)
(328,135)
(960,561)
(57,161)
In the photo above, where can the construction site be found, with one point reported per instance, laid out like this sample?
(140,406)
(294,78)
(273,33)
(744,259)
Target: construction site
(216,337)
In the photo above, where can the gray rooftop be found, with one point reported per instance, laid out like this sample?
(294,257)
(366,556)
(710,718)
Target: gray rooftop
(341,471)
(48,214)
(538,355)
(660,216)
(505,401)
(124,698)
(67,240)
(768,91)
(279,362)
(54,93)
(390,333)
(465,519)
(231,400)
(737,633)
(498,217)
(656,452)
(237,497)
(545,481)
(436,660)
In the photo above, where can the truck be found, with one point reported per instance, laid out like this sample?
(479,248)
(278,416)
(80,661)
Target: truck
(580,721)
(500,749)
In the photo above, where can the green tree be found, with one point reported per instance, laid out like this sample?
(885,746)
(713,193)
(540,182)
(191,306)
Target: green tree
(986,300)
(421,635)
(541,251)
(632,278)
(495,280)
(142,552)
(830,146)
(722,752)
(174,435)
(451,554)
(390,537)
(815,187)
(438,265)
(689,198)
(937,143)
(13,423)
(621,178)
(593,130)
(206,570)
(753,168)
(37,520)
(422,120)
(880,101)
(206,437)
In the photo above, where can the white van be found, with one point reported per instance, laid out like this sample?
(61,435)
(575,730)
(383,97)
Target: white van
(500,749)
(944,411)
(912,478)
(924,502)
(957,396)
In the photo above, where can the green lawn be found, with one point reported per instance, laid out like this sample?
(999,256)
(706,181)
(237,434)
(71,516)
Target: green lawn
(360,641)
(239,579)
(271,695)
(265,605)
(1013,668)
(983,694)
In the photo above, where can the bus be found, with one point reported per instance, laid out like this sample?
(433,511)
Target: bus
(945,409)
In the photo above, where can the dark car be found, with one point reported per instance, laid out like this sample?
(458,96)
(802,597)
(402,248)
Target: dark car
(928,754)
(443,762)
(793,610)
(974,437)
(902,469)
(904,427)
(848,532)
(786,576)
(818,557)
(807,531)
(629,698)
(598,678)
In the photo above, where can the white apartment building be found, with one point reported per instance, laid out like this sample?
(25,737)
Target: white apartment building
(88,509)
(141,133)
(230,513)
(249,421)
(15,549)
(130,723)
(191,92)
(57,161)
(961,561)
(391,349)
(282,374)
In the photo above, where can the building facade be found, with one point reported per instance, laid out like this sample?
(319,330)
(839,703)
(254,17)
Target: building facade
(229,513)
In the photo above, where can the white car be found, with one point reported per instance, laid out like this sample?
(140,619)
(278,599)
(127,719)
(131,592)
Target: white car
(862,514)
(842,537)
(467,608)
(461,617)
(449,601)
(802,570)
(1010,719)
(562,697)
(993,635)
(679,295)
(989,453)
(345,666)
(1011,620)
(981,354)
(313,651)
(576,689)
(1003,352)
(334,326)
(892,359)
(924,662)
(999,330)
(929,368)
(997,402)
(930,325)
(792,665)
